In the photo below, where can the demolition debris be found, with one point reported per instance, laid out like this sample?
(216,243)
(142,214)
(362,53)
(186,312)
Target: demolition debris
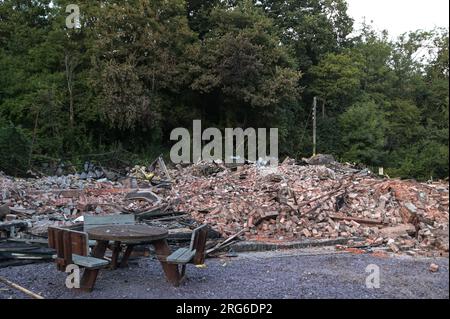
(291,202)
(311,199)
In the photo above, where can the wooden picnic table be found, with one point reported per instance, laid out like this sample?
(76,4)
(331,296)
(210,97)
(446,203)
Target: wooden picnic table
(132,235)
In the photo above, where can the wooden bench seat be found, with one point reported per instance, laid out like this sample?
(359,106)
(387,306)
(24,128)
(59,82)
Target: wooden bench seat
(89,262)
(181,256)
(72,248)
(195,254)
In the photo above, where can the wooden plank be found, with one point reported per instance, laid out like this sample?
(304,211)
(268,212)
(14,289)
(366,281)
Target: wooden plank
(90,275)
(67,247)
(20,288)
(186,257)
(170,270)
(25,256)
(24,248)
(199,247)
(68,193)
(176,254)
(79,243)
(194,238)
(39,241)
(96,221)
(169,218)
(111,219)
(226,241)
(147,195)
(51,238)
(157,212)
(88,279)
(22,211)
(358,220)
(89,262)
(181,256)
(59,247)
(116,249)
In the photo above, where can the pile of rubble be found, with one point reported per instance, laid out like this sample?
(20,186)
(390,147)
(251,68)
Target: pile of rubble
(291,202)
(296,200)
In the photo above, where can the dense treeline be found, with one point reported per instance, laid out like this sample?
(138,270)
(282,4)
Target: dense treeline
(136,69)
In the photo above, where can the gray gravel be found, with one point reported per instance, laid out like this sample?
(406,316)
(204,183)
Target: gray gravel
(289,274)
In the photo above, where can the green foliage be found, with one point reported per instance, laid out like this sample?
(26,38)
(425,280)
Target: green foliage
(338,78)
(246,77)
(425,161)
(312,28)
(404,127)
(141,51)
(363,129)
(137,69)
(14,150)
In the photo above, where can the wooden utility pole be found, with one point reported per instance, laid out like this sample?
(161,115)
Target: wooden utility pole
(314,125)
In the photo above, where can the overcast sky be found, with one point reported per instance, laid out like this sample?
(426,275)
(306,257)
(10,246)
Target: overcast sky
(399,16)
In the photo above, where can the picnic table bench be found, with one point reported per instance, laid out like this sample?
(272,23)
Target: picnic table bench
(195,254)
(132,235)
(72,248)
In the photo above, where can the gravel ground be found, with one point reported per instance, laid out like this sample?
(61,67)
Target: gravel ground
(288,274)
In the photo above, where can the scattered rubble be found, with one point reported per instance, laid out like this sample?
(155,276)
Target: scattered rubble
(434,268)
(312,199)
(292,201)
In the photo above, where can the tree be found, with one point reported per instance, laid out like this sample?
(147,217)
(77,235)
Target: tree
(198,12)
(338,79)
(424,160)
(362,129)
(142,52)
(15,148)
(312,28)
(137,69)
(244,70)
